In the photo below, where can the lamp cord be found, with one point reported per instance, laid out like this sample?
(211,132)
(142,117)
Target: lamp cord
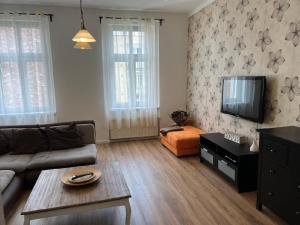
(81,12)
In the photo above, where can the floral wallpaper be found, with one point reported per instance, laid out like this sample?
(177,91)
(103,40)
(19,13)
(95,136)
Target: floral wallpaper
(244,37)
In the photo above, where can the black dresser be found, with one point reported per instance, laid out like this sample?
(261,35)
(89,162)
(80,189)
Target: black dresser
(279,172)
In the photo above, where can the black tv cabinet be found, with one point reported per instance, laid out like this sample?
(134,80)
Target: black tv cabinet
(234,161)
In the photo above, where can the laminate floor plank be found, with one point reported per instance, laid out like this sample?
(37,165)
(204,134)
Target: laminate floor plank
(166,191)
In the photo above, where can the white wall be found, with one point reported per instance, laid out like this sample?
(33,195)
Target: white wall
(78,74)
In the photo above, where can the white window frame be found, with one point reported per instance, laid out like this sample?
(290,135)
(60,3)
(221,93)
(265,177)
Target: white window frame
(133,58)
(21,58)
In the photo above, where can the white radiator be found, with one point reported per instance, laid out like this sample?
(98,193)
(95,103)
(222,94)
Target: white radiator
(130,133)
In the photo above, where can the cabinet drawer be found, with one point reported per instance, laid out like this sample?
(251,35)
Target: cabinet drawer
(293,216)
(207,156)
(274,186)
(226,169)
(275,152)
(296,214)
(296,188)
(275,199)
(273,173)
(294,161)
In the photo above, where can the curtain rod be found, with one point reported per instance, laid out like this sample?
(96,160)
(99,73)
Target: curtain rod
(23,13)
(133,18)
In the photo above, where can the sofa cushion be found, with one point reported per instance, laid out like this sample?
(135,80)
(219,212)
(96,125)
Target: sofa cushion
(17,163)
(64,158)
(29,141)
(63,137)
(4,141)
(87,132)
(6,177)
(11,194)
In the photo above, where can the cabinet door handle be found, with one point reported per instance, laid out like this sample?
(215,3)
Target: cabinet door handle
(270,194)
(230,159)
(272,150)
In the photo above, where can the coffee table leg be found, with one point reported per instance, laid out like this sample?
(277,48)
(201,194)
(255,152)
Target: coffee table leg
(128,212)
(26,220)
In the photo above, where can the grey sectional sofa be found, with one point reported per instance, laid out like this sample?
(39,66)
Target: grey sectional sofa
(22,170)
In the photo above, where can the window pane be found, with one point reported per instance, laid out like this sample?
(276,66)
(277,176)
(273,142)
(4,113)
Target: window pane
(36,86)
(121,81)
(140,83)
(121,42)
(31,40)
(7,40)
(11,88)
(138,42)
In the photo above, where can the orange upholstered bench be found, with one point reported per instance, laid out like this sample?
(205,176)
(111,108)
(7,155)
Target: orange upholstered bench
(183,143)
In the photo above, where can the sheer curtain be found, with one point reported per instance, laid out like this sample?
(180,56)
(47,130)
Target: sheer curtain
(131,72)
(26,77)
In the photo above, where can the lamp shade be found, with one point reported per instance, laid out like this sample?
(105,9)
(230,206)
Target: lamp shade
(82,45)
(83,36)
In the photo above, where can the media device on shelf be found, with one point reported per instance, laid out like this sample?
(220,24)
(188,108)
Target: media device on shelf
(244,96)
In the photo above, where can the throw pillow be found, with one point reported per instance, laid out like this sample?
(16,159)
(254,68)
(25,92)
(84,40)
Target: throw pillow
(64,137)
(4,143)
(29,141)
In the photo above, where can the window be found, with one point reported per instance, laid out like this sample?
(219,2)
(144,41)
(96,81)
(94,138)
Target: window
(26,80)
(131,72)
(129,59)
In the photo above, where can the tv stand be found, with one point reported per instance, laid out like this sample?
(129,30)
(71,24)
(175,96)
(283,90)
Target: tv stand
(235,162)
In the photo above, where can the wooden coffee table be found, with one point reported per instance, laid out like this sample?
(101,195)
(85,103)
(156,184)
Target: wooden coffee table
(50,197)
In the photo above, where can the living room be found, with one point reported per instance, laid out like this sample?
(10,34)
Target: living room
(138,112)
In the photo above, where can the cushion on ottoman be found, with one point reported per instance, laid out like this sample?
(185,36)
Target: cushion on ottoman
(6,177)
(183,143)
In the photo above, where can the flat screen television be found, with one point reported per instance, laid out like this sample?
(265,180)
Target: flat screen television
(243,96)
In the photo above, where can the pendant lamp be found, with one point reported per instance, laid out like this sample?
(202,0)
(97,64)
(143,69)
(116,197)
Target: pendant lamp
(83,37)
(82,45)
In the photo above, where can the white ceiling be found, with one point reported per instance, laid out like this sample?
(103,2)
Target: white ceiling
(179,6)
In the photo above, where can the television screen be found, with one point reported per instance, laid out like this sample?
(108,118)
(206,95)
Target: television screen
(243,96)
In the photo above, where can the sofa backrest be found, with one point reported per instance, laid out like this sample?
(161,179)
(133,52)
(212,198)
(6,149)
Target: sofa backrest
(88,133)
(86,129)
(8,134)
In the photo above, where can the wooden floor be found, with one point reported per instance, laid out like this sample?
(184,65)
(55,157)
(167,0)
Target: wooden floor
(166,191)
